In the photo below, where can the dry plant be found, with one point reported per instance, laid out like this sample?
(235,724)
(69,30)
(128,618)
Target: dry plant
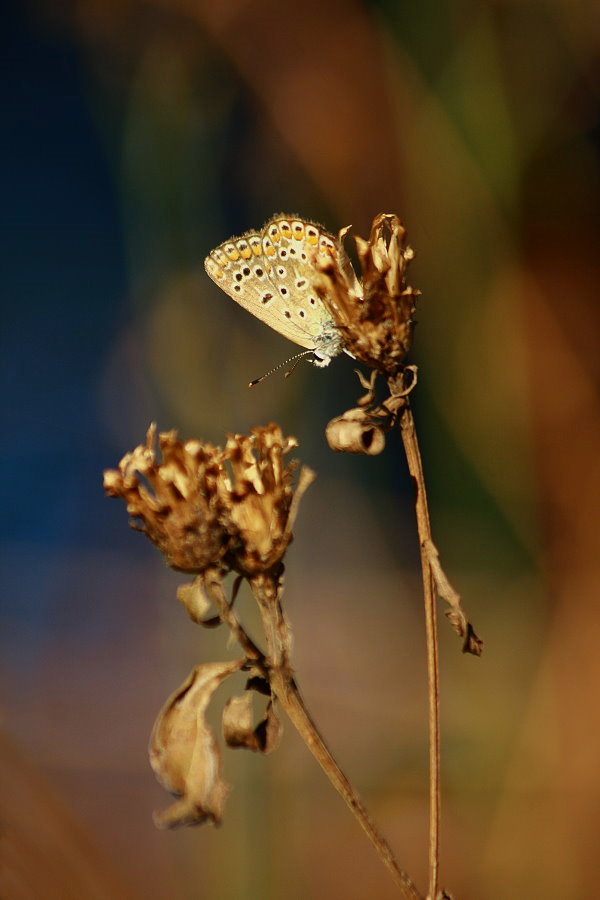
(214,511)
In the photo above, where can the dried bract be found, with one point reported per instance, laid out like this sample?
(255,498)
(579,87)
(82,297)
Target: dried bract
(262,503)
(375,321)
(176,502)
(194,598)
(184,753)
(240,730)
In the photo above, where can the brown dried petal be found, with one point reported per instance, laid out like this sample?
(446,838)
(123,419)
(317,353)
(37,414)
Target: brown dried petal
(239,729)
(184,753)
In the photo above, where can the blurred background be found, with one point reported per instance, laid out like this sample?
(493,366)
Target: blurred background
(139,135)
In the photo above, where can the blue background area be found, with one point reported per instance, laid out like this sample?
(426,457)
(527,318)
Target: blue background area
(64,281)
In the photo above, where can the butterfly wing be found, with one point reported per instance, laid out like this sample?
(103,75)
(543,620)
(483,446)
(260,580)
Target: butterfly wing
(271,274)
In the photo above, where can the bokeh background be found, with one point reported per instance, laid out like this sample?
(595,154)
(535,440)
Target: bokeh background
(137,136)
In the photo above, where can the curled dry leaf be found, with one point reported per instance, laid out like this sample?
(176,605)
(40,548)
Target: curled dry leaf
(456,614)
(183,751)
(355,432)
(239,729)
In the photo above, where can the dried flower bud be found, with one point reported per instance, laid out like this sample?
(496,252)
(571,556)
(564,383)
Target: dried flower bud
(262,504)
(375,321)
(175,502)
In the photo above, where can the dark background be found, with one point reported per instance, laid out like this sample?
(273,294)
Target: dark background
(137,136)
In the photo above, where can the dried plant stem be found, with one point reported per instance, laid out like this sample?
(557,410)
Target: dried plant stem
(214,589)
(267,591)
(415,467)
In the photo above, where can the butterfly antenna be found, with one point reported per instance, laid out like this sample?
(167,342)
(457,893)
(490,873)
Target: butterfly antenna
(295,359)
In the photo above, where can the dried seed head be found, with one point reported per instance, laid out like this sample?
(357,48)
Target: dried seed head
(176,502)
(261,504)
(203,506)
(375,321)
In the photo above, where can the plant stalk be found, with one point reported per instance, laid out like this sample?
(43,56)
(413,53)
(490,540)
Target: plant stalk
(266,589)
(415,467)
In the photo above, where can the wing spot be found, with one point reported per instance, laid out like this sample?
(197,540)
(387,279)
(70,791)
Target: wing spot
(283,291)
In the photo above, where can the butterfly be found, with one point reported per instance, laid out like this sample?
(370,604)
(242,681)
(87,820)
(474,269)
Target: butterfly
(271,272)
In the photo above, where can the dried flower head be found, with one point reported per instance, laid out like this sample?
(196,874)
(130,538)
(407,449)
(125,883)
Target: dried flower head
(375,321)
(262,503)
(203,506)
(177,501)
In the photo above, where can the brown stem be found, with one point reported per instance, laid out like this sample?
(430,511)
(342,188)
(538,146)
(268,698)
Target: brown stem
(214,588)
(415,467)
(267,590)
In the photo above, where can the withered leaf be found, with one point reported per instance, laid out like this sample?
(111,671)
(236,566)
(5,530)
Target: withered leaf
(183,751)
(239,729)
(456,614)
